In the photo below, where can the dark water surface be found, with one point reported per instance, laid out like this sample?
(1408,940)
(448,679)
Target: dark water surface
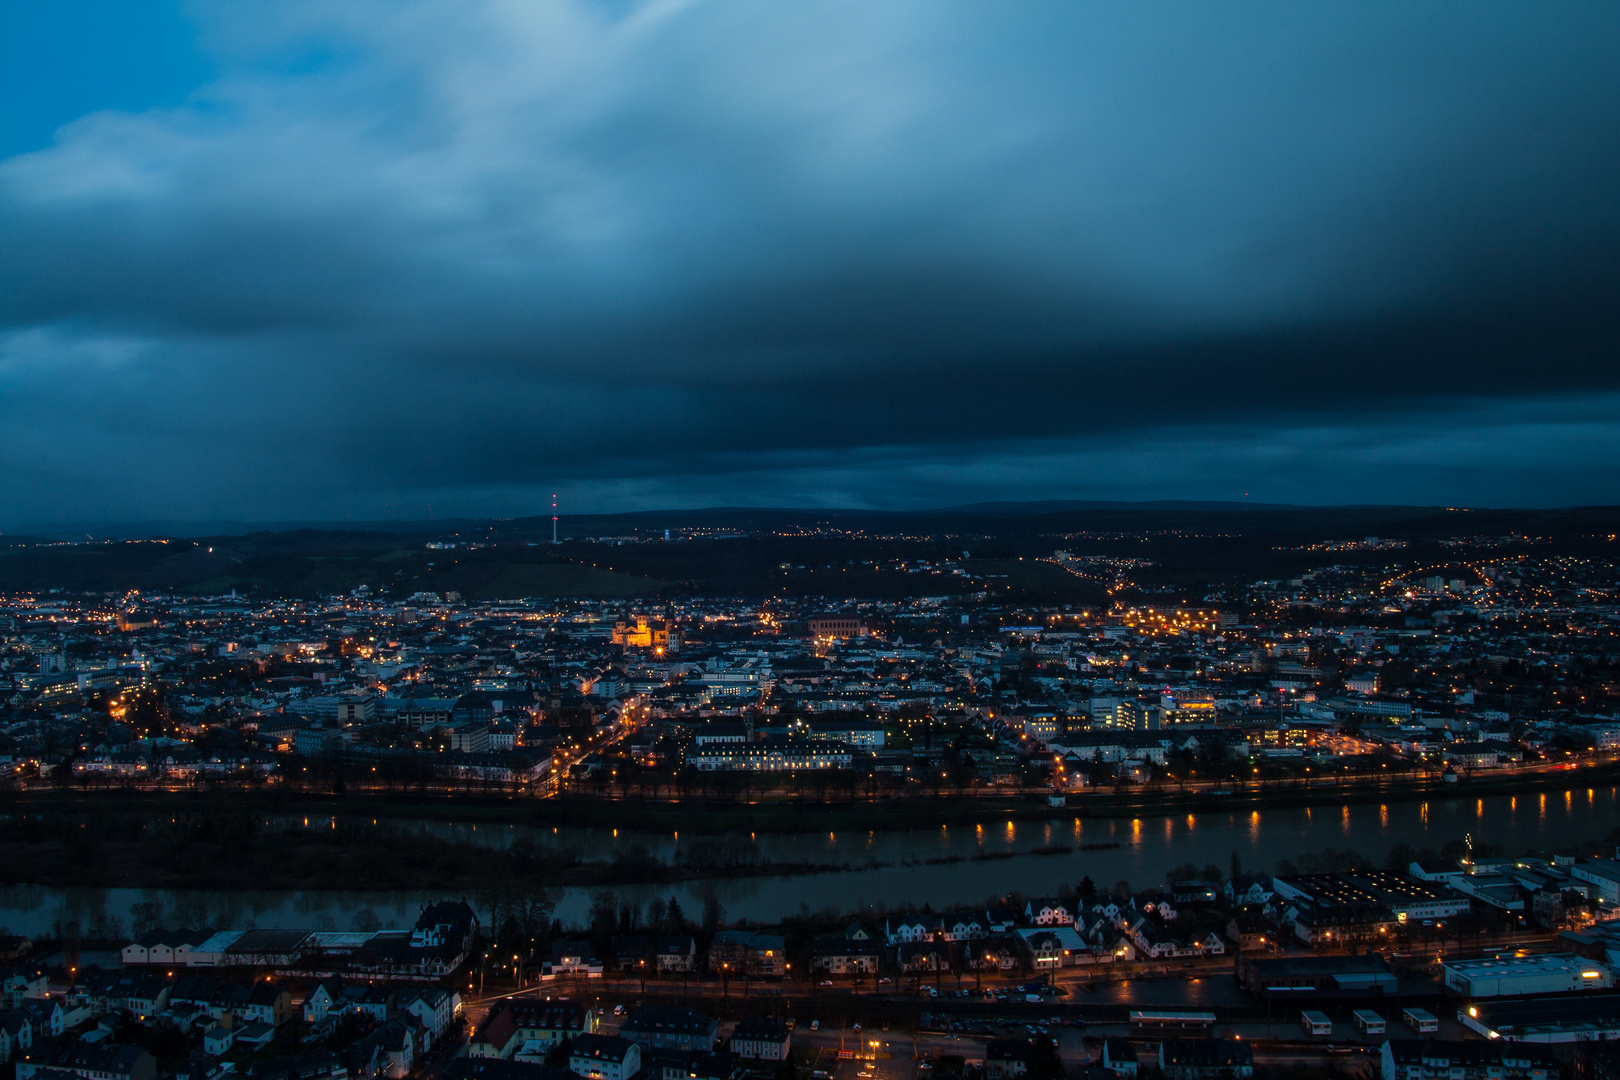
(943,866)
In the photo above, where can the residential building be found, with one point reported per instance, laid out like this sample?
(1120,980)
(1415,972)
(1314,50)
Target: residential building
(1444,1059)
(604,1057)
(761,1038)
(664,1027)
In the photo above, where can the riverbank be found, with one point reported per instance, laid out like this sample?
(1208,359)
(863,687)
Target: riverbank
(716,817)
(270,839)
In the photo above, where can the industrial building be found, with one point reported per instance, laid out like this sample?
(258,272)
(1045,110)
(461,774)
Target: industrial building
(1324,976)
(1601,875)
(1410,898)
(1511,976)
(1546,1020)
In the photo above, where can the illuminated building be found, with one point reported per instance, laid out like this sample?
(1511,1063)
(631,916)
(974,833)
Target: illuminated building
(837,626)
(1169,620)
(1187,707)
(657,634)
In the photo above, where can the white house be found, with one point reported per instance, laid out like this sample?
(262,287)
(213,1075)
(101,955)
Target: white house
(903,931)
(1048,913)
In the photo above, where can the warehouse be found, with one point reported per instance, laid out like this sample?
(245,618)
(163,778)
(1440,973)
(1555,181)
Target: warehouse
(1546,1020)
(1408,897)
(1294,977)
(1554,973)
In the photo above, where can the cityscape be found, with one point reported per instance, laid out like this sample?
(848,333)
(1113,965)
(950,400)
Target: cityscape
(701,540)
(1008,808)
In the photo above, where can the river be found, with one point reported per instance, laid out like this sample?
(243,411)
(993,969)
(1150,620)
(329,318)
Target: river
(891,867)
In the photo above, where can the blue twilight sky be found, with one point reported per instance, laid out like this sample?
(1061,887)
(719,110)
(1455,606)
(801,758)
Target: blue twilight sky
(345,258)
(62,59)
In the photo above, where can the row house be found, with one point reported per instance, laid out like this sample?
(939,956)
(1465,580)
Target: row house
(547,1023)
(1445,1059)
(841,956)
(19,984)
(738,952)
(1155,942)
(762,1038)
(140,995)
(86,1060)
(15,1037)
(435,1009)
(692,1065)
(41,1017)
(664,1027)
(952,927)
(918,956)
(604,1057)
(264,1003)
(529,1028)
(308,1065)
(387,1052)
(334,997)
(1106,940)
(1048,913)
(1337,925)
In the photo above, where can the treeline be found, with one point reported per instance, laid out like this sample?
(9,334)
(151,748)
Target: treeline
(1402,855)
(220,848)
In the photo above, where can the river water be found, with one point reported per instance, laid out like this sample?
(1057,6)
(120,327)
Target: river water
(888,868)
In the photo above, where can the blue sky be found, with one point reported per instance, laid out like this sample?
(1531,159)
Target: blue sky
(62,59)
(283,259)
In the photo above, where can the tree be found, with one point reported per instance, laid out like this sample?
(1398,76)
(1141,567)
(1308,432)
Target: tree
(144,916)
(604,912)
(1400,857)
(713,911)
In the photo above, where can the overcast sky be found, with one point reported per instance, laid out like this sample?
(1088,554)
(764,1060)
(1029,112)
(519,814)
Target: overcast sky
(350,258)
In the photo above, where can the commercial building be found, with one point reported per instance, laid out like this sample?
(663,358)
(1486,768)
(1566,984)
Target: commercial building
(1552,973)
(1291,977)
(1546,1020)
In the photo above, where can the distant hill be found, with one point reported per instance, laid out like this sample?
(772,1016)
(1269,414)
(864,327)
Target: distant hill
(1179,550)
(180,529)
(1013,509)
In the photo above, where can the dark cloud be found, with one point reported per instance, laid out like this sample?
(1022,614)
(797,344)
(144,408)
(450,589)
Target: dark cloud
(876,254)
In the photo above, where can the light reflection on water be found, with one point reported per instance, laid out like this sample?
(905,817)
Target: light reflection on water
(893,867)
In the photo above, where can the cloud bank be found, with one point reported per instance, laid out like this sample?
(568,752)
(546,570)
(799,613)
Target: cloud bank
(690,253)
